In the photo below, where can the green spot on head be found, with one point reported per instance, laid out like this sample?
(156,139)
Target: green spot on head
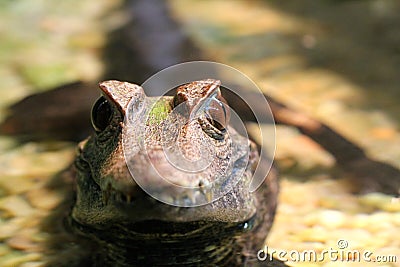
(159,111)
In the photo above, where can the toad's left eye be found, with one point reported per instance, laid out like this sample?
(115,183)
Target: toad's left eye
(101,114)
(217,114)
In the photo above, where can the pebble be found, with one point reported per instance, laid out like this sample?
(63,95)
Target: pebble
(32,264)
(313,234)
(16,259)
(10,227)
(16,206)
(332,218)
(43,198)
(36,161)
(329,219)
(379,221)
(392,206)
(360,220)
(380,201)
(21,242)
(19,184)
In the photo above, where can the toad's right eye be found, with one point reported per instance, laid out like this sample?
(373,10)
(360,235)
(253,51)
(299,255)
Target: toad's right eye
(101,114)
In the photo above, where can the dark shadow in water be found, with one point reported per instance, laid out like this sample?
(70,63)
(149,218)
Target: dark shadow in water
(149,42)
(360,40)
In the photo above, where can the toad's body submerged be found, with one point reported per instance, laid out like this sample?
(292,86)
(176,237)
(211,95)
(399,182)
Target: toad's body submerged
(127,226)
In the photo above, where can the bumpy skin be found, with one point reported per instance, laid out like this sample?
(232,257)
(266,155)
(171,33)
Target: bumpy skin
(121,225)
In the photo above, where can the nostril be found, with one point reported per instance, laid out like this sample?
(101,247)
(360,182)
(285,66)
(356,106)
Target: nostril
(126,198)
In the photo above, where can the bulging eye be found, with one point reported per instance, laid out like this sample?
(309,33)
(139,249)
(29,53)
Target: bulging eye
(216,122)
(101,114)
(217,115)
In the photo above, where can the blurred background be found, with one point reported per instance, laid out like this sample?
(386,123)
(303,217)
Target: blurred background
(337,61)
